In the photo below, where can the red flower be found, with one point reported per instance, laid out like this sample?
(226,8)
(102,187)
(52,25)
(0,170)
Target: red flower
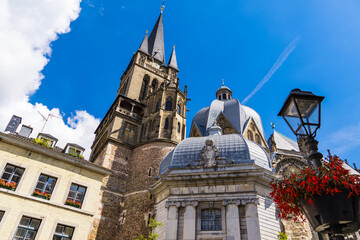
(328,179)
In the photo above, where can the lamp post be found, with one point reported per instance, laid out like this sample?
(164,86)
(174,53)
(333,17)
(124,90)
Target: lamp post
(302,112)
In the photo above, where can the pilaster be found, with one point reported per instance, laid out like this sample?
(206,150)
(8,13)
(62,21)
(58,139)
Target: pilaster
(189,219)
(232,218)
(172,219)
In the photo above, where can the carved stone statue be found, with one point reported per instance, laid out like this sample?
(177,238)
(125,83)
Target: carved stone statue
(209,153)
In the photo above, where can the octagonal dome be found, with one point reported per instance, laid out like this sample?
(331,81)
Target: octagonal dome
(232,148)
(238,115)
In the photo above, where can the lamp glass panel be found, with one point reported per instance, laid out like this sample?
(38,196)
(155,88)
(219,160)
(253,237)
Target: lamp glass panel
(292,116)
(313,120)
(294,123)
(291,110)
(309,109)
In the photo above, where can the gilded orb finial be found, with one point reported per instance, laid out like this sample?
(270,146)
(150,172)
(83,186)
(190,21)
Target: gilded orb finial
(163,6)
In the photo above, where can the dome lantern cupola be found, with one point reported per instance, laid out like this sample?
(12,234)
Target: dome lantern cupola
(223,93)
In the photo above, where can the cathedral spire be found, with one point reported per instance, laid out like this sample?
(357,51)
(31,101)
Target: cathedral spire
(156,41)
(144,44)
(172,62)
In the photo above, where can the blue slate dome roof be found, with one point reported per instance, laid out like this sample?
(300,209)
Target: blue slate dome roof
(233,148)
(238,115)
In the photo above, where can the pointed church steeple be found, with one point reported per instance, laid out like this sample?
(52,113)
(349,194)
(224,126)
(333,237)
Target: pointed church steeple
(172,62)
(156,41)
(144,47)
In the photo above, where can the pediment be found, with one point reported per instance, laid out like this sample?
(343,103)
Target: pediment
(226,126)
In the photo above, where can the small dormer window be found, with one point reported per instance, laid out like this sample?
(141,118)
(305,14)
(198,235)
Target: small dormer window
(74,150)
(46,140)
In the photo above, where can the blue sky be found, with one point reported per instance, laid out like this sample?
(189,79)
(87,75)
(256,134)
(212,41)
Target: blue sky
(215,39)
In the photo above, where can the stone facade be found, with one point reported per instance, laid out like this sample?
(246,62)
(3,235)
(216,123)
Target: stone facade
(37,161)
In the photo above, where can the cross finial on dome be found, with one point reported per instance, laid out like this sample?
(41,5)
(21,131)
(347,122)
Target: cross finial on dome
(223,82)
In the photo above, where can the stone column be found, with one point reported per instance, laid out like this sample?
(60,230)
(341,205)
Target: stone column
(252,218)
(189,219)
(232,219)
(172,219)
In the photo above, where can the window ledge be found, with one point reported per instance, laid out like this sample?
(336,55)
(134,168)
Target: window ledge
(48,202)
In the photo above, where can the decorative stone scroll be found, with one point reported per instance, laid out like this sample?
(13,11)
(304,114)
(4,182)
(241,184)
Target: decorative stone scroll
(209,153)
(172,203)
(186,203)
(241,201)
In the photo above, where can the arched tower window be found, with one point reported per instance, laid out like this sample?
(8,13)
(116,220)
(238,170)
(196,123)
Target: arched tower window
(224,96)
(166,125)
(178,109)
(144,87)
(168,104)
(178,127)
(158,105)
(154,84)
(250,136)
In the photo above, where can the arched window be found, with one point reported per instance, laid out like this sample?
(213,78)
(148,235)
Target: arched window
(224,96)
(166,125)
(219,97)
(158,105)
(144,87)
(250,136)
(178,127)
(178,109)
(168,105)
(154,84)
(257,138)
(211,220)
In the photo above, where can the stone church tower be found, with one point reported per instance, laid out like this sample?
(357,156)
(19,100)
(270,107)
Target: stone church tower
(145,122)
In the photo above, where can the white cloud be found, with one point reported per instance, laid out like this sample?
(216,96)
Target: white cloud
(27,29)
(343,140)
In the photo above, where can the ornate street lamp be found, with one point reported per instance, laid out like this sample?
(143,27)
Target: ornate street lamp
(302,112)
(328,214)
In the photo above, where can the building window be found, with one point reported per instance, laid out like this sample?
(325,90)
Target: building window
(144,87)
(27,228)
(11,176)
(224,96)
(178,127)
(257,139)
(250,136)
(76,195)
(154,85)
(44,187)
(211,220)
(63,232)
(158,105)
(168,105)
(129,133)
(166,125)
(74,151)
(178,109)
(2,213)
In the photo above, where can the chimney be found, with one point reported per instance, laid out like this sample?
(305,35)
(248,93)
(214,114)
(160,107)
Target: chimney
(13,124)
(25,131)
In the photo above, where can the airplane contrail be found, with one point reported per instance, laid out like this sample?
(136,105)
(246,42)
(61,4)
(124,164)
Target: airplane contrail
(283,56)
